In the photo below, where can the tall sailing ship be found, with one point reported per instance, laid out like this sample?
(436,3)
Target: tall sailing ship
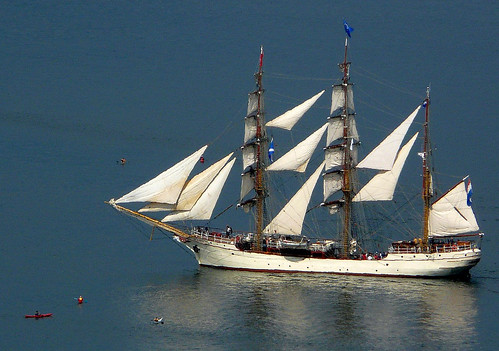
(449,244)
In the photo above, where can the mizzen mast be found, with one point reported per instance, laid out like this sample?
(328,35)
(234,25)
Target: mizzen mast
(427,186)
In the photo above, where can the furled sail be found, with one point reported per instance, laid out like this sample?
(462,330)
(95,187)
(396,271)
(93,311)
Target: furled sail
(383,156)
(166,187)
(382,186)
(298,157)
(192,191)
(291,117)
(205,205)
(452,214)
(290,219)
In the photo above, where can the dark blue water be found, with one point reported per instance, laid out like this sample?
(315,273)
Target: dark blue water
(84,84)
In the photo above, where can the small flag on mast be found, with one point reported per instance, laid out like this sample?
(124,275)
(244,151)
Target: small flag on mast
(348,29)
(271,150)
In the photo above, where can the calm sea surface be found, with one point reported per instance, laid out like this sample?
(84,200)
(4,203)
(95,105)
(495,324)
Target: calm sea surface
(83,84)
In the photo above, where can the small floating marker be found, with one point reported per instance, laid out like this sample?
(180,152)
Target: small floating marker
(79,299)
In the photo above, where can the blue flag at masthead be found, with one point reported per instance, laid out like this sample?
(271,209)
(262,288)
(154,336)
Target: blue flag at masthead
(348,29)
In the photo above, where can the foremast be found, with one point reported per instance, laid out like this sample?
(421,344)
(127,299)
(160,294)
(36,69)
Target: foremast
(260,135)
(427,192)
(254,161)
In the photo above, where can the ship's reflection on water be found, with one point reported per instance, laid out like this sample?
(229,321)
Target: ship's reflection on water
(231,309)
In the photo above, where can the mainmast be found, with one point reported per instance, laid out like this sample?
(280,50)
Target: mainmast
(427,193)
(347,164)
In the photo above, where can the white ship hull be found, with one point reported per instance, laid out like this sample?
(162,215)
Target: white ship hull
(444,264)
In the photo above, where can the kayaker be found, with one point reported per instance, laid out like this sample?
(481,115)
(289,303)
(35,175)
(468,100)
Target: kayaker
(80,300)
(37,314)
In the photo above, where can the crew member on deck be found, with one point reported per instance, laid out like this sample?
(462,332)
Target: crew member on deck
(228,231)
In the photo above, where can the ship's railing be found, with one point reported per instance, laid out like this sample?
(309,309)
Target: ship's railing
(449,247)
(212,236)
(404,250)
(460,246)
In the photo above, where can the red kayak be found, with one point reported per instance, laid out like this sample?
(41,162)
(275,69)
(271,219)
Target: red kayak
(38,315)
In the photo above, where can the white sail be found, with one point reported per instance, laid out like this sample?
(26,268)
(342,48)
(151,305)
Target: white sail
(451,215)
(291,117)
(290,219)
(298,157)
(247,184)
(249,155)
(192,191)
(383,156)
(335,156)
(338,100)
(333,182)
(166,187)
(336,126)
(382,186)
(249,128)
(250,120)
(252,103)
(205,205)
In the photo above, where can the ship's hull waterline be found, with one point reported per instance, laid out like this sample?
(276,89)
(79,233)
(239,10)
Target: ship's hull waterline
(227,256)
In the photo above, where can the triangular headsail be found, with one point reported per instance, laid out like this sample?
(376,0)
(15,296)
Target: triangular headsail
(192,191)
(288,119)
(383,156)
(204,207)
(166,187)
